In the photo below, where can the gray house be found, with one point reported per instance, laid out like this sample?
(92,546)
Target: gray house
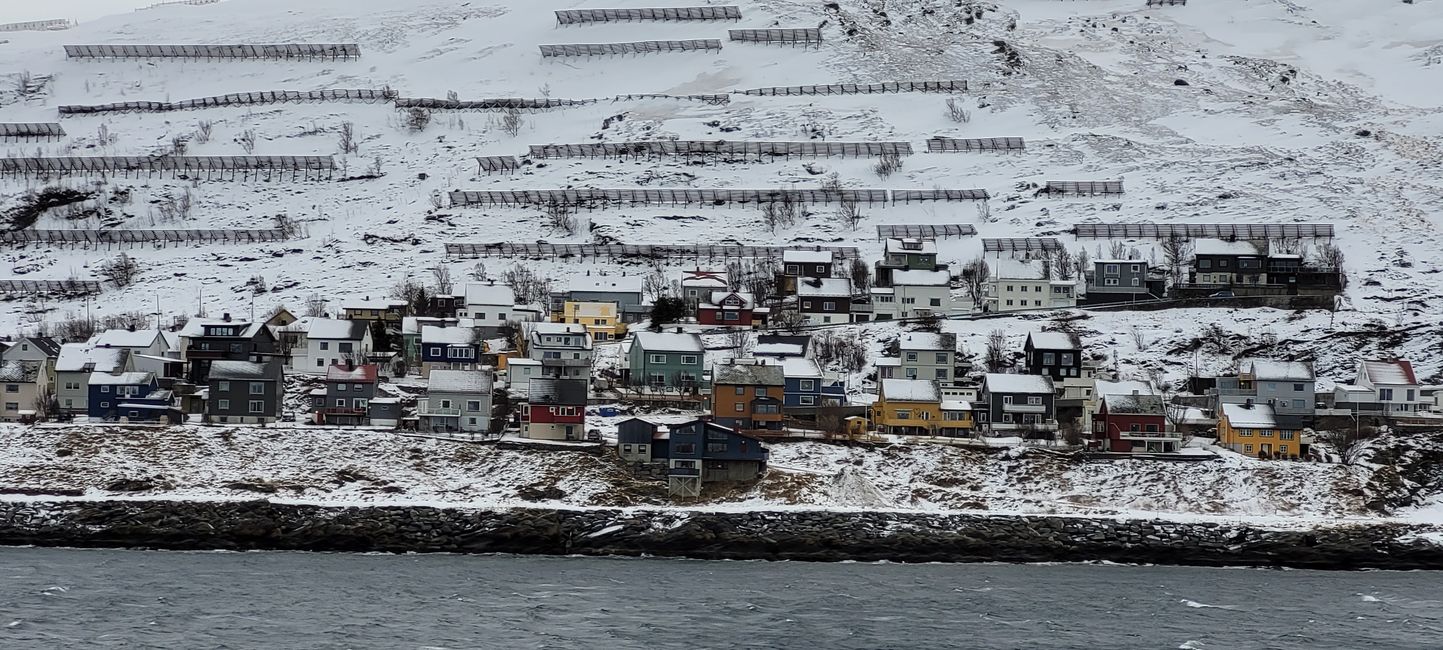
(1113,281)
(1289,387)
(244,392)
(1021,403)
(456,401)
(349,398)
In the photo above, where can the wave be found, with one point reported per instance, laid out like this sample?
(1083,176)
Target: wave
(1197,605)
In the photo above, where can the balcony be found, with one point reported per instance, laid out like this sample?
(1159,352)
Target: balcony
(425,409)
(566,363)
(1149,435)
(342,411)
(1024,408)
(684,471)
(201,355)
(1045,425)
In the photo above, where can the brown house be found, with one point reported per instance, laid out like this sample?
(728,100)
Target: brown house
(747,395)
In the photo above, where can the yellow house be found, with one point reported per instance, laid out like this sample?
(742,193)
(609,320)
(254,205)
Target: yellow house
(1253,429)
(909,407)
(601,319)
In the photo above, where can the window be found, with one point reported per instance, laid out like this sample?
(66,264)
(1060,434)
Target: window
(730,315)
(716,446)
(904,414)
(1007,417)
(12,388)
(1037,303)
(1133,428)
(222,386)
(341,402)
(1006,399)
(828,305)
(361,403)
(1009,303)
(1411,396)
(258,388)
(235,347)
(1034,400)
(807,400)
(935,302)
(355,387)
(257,406)
(105,405)
(942,358)
(1384,394)
(481,315)
(550,354)
(320,363)
(473,405)
(656,358)
(1049,359)
(105,389)
(686,448)
(1285,435)
(340,388)
(941,373)
(1009,287)
(325,345)
(1204,264)
(435,350)
(1136,282)
(657,379)
(759,391)
(445,403)
(807,384)
(345,347)
(1245,433)
(12,406)
(1151,428)
(688,359)
(911,373)
(740,390)
(223,405)
(792,269)
(911,356)
(72,385)
(739,407)
(1110,282)
(1109,269)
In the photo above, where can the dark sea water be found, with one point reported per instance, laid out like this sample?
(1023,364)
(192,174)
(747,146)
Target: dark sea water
(62,598)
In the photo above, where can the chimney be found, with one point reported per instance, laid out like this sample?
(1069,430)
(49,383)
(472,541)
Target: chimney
(225,317)
(1248,404)
(130,327)
(1134,392)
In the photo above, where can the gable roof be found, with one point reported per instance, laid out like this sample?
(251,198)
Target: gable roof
(81,357)
(910,390)
(927,341)
(605,284)
(782,345)
(49,346)
(825,287)
(121,378)
(669,342)
(489,294)
(700,278)
(195,327)
(801,368)
(1128,403)
(921,278)
(460,381)
(19,371)
(996,382)
(753,372)
(336,329)
(1258,416)
(1053,341)
(796,256)
(125,338)
(1269,369)
(921,246)
(247,370)
(716,297)
(549,390)
(365,372)
(447,335)
(1398,372)
(1224,247)
(413,324)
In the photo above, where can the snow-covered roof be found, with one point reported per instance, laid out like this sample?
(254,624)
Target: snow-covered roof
(19,371)
(365,372)
(74,357)
(381,305)
(921,278)
(447,335)
(1010,269)
(605,283)
(779,349)
(1269,369)
(336,329)
(195,327)
(1395,373)
(522,361)
(825,287)
(893,362)
(1141,403)
(716,297)
(749,372)
(1028,384)
(1224,247)
(699,278)
(1126,386)
(910,390)
(125,338)
(1257,416)
(489,294)
(927,341)
(121,378)
(460,381)
(225,369)
(793,256)
(801,367)
(549,390)
(1052,341)
(413,324)
(882,291)
(556,328)
(956,405)
(919,246)
(669,342)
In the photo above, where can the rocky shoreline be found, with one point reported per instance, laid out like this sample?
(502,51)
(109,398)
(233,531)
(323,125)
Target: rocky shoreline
(788,535)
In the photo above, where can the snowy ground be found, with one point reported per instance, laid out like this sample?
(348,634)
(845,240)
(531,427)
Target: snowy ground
(1267,130)
(353,467)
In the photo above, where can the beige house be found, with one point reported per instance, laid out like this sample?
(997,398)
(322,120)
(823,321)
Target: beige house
(21,385)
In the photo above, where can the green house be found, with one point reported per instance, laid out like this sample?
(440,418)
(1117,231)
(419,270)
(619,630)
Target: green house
(673,360)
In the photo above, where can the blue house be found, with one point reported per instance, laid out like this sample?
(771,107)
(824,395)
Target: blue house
(702,451)
(133,396)
(808,387)
(449,348)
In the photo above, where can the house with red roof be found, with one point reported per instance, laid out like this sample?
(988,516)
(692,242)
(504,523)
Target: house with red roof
(737,308)
(1382,387)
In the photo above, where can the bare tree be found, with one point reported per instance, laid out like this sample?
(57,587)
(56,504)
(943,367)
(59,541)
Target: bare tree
(996,354)
(46,405)
(413,293)
(1062,265)
(347,138)
(289,227)
(1083,261)
(561,218)
(315,306)
(120,271)
(956,112)
(478,272)
(417,119)
(526,285)
(850,212)
(847,350)
(789,320)
(1139,337)
(247,141)
(861,274)
(1176,252)
(441,274)
(740,341)
(511,122)
(975,276)
(1330,257)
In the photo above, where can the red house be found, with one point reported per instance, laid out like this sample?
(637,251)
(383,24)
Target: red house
(555,409)
(729,308)
(1133,422)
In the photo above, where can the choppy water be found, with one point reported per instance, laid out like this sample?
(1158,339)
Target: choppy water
(61,598)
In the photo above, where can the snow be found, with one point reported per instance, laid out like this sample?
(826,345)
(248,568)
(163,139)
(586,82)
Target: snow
(918,246)
(778,349)
(1017,384)
(336,329)
(926,341)
(1010,269)
(489,294)
(1129,403)
(956,405)
(910,390)
(363,373)
(668,342)
(125,338)
(801,367)
(380,305)
(226,369)
(460,381)
(1052,341)
(1222,247)
(608,283)
(920,278)
(75,357)
(447,335)
(19,371)
(1268,369)
(121,379)
(793,256)
(544,328)
(824,288)
(1241,416)
(1389,373)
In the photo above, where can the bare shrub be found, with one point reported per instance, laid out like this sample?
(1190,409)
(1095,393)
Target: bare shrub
(347,138)
(258,285)
(178,145)
(511,122)
(120,271)
(247,141)
(452,96)
(984,212)
(956,112)
(848,350)
(315,306)
(849,211)
(289,227)
(887,163)
(202,131)
(175,207)
(417,119)
(561,218)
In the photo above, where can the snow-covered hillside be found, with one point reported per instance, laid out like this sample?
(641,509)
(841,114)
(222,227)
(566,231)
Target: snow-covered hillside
(1246,111)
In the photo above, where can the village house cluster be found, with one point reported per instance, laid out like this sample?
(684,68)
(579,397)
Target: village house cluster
(757,348)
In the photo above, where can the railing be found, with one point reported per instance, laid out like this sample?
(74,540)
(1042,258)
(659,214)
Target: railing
(342,410)
(1024,408)
(206,354)
(424,408)
(1149,435)
(566,363)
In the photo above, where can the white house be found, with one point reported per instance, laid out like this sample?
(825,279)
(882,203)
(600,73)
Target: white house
(1385,387)
(1022,284)
(330,342)
(73,369)
(149,348)
(564,349)
(492,305)
(913,294)
(35,348)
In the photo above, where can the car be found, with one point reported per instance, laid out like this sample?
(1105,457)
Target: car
(1223,294)
(288,416)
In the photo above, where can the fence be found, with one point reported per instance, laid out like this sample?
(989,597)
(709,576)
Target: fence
(31,131)
(925,231)
(491,164)
(237,99)
(1160,3)
(50,286)
(1022,244)
(194,3)
(524,104)
(1229,231)
(719,147)
(277,51)
(600,198)
(612,251)
(134,237)
(804,36)
(37,26)
(1082,188)
(636,47)
(951,145)
(580,16)
(211,165)
(908,196)
(862,89)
